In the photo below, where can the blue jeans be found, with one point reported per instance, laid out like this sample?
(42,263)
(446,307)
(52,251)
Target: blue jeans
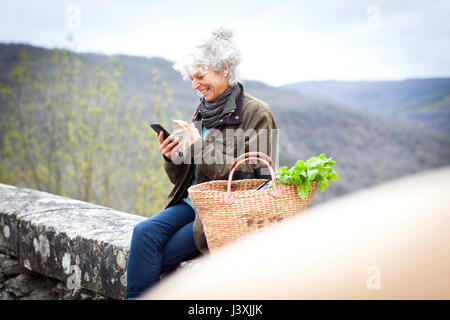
(158,244)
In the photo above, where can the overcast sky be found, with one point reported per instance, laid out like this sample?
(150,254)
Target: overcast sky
(281,41)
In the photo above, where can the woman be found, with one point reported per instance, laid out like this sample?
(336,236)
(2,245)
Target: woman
(219,133)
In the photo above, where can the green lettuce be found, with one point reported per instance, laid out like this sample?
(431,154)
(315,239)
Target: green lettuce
(303,173)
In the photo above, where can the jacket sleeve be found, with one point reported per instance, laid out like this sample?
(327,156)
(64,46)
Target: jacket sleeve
(216,155)
(172,169)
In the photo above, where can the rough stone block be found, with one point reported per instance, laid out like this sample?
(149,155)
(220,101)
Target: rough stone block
(83,244)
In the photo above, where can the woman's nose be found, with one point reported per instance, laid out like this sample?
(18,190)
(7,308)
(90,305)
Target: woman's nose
(195,84)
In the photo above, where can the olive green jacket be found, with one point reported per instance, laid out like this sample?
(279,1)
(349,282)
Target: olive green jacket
(241,111)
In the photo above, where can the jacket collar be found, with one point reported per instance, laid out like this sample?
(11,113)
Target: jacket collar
(232,111)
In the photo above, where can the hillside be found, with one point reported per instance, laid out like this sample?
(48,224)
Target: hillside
(424,101)
(368,148)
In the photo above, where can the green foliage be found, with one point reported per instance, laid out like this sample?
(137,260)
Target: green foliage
(65,132)
(303,173)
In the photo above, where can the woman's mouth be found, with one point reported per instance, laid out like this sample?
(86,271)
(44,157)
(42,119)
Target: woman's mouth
(205,92)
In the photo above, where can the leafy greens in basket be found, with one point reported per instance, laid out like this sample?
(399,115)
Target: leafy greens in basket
(303,173)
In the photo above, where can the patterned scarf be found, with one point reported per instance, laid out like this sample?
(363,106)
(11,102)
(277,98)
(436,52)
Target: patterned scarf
(210,112)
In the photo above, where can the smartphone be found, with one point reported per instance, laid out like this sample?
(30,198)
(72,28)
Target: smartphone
(158,128)
(264,185)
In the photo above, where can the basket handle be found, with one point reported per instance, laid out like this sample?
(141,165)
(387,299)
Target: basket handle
(252,153)
(228,198)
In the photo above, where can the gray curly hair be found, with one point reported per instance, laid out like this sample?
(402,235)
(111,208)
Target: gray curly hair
(213,52)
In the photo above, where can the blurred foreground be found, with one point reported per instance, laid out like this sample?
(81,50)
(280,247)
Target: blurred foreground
(386,242)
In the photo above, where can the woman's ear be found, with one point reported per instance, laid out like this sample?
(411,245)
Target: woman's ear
(226,69)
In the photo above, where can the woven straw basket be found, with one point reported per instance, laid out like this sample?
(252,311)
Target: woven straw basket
(229,210)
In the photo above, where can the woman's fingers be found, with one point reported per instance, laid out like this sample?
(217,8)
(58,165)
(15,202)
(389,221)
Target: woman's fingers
(179,121)
(170,145)
(174,135)
(177,147)
(178,131)
(173,154)
(164,142)
(161,138)
(166,146)
(182,124)
(191,132)
(170,148)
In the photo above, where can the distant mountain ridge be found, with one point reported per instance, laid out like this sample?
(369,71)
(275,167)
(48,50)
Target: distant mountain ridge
(369,146)
(425,101)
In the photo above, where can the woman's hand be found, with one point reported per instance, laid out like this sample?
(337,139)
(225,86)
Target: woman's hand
(167,146)
(190,131)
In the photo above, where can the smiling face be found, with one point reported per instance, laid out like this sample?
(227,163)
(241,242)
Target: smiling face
(210,82)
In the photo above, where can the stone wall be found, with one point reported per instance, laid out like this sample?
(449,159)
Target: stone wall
(79,244)
(19,283)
